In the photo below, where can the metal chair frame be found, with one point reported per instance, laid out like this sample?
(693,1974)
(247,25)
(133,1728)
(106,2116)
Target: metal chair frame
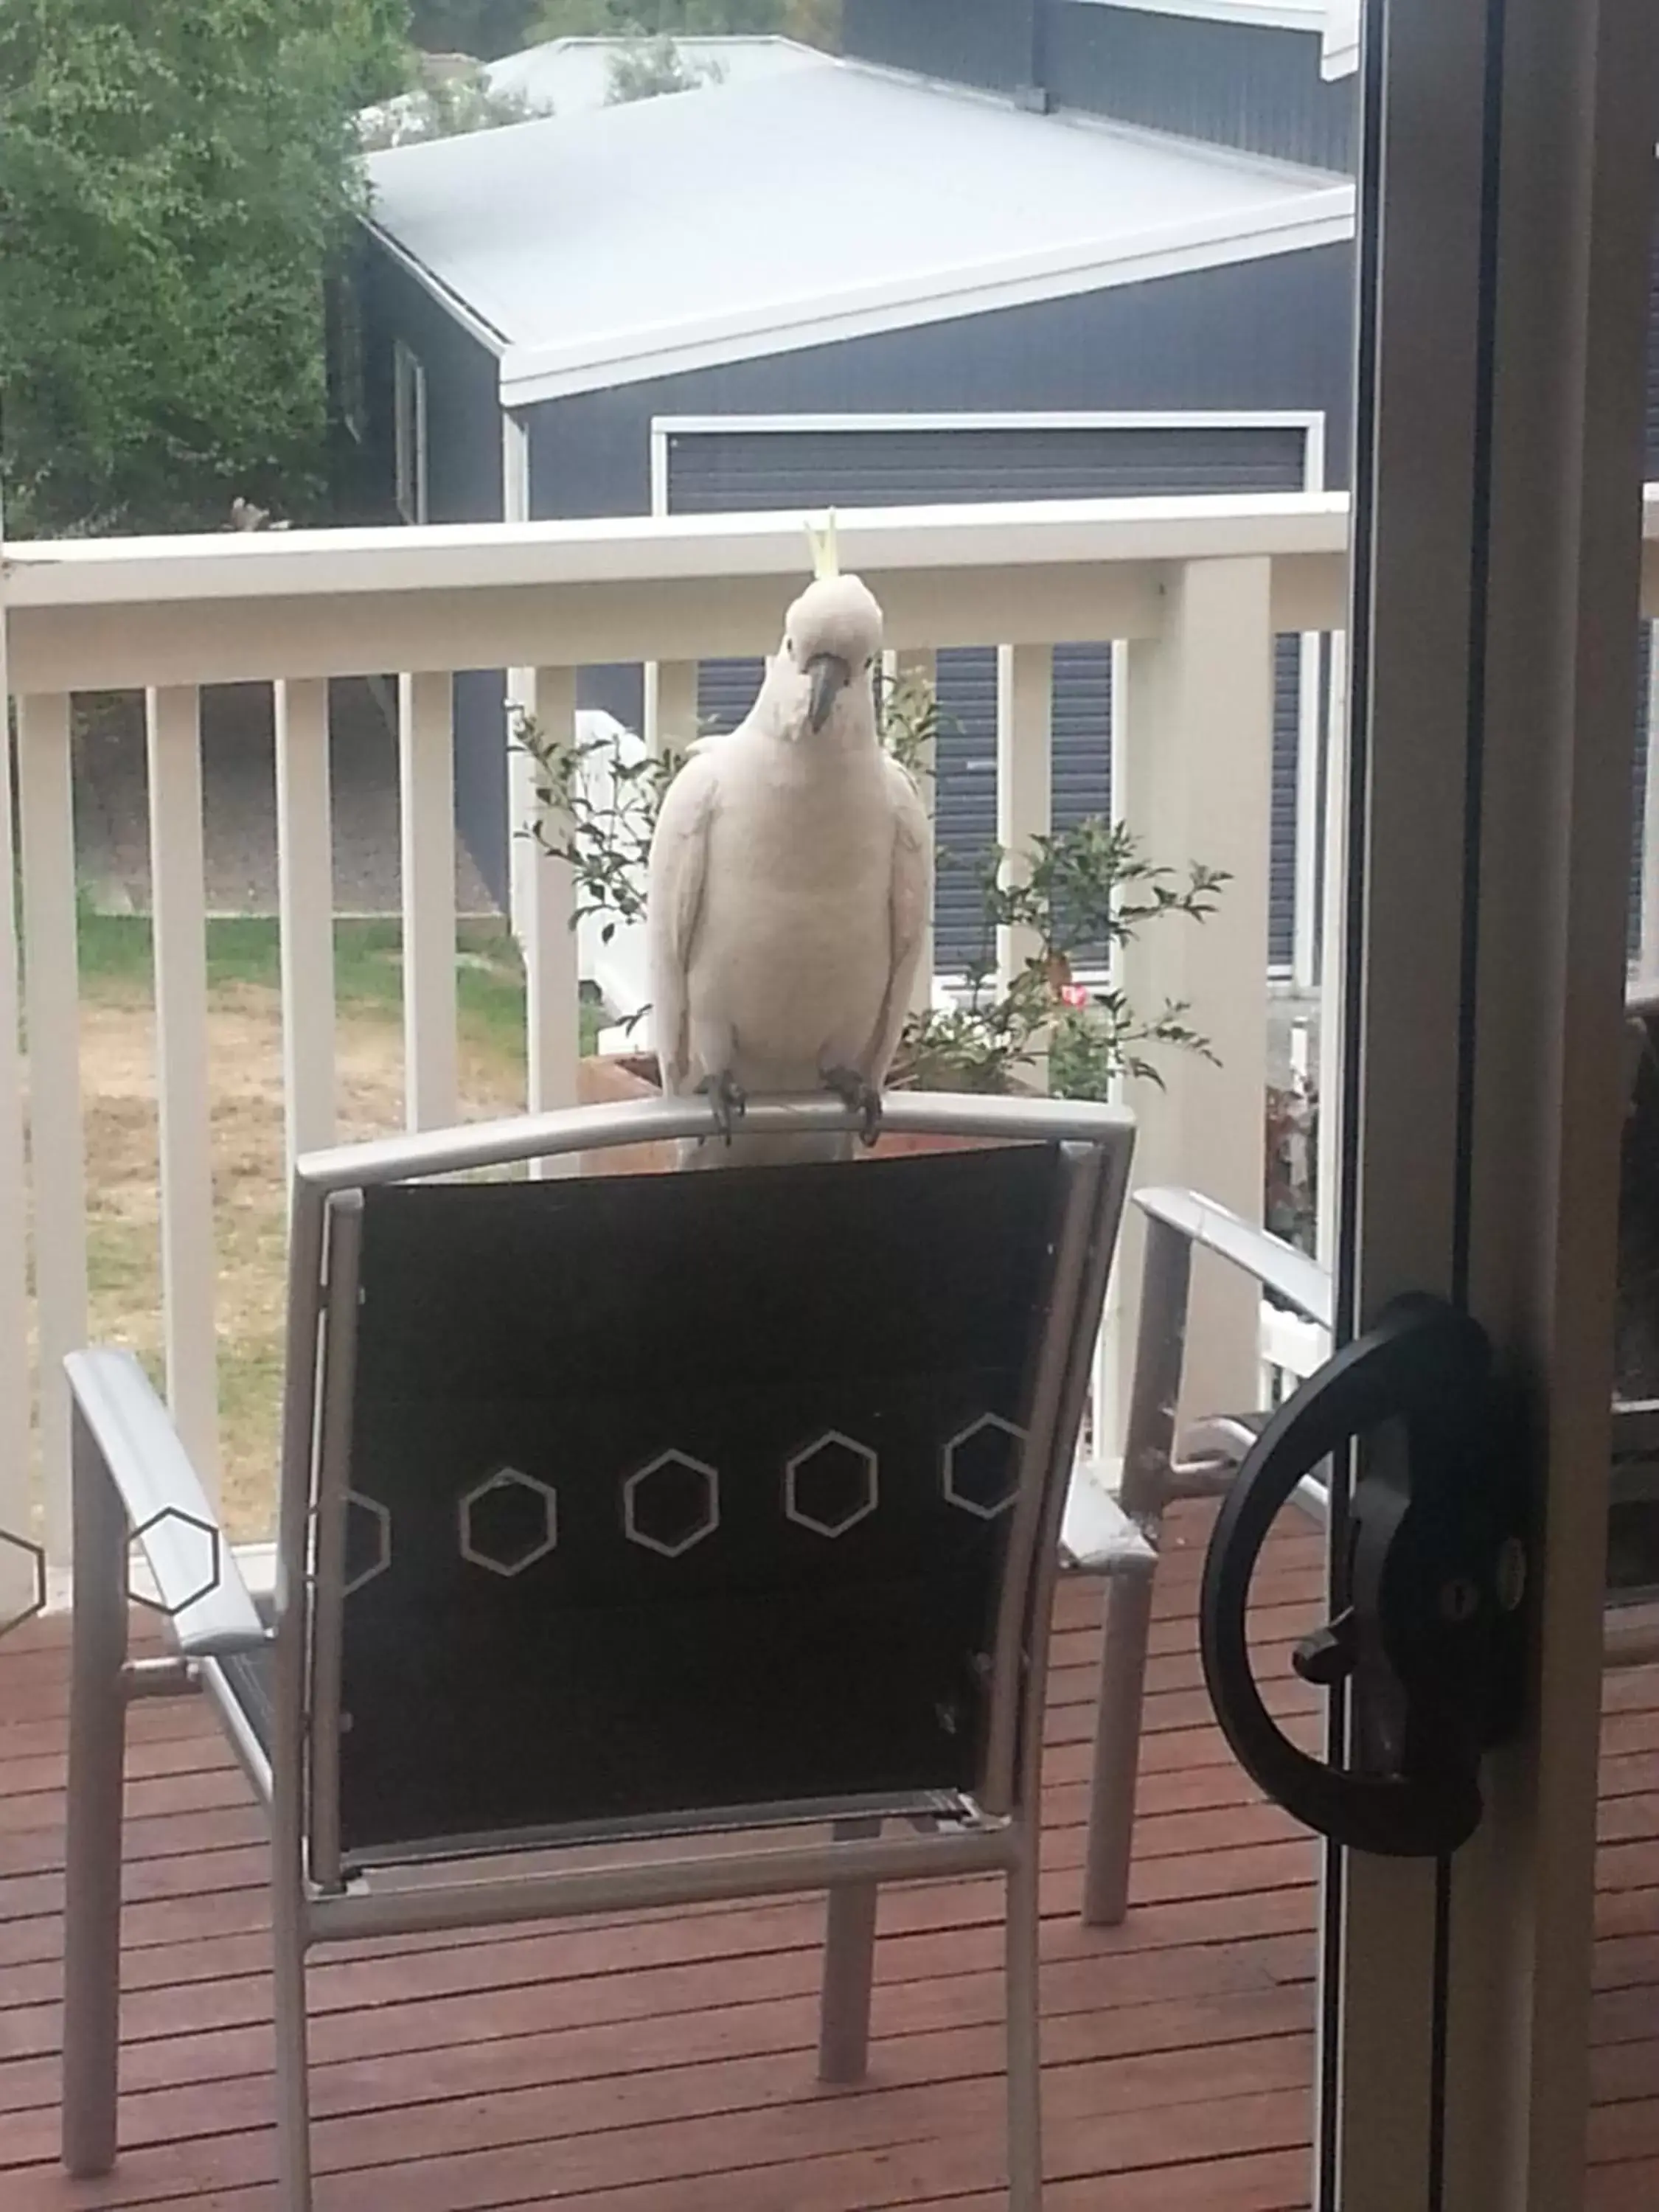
(133,1480)
(1161,1467)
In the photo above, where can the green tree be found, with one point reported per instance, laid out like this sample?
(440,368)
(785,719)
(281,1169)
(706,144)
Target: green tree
(174,180)
(444,107)
(643,68)
(483,28)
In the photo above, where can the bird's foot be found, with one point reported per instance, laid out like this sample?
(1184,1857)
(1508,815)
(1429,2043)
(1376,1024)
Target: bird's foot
(728,1099)
(859,1097)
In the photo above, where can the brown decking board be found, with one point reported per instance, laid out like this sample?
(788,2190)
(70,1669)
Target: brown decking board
(664,2062)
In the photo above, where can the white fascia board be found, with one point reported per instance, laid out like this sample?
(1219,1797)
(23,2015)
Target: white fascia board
(453,305)
(1340,57)
(1089,418)
(1260,15)
(1305,220)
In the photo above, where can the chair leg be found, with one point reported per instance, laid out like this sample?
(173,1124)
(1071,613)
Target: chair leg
(1126,1631)
(288,2016)
(293,2061)
(92,1864)
(849,1961)
(1024,2044)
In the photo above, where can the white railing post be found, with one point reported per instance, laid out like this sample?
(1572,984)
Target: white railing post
(179,910)
(305,894)
(671,705)
(16,1569)
(552,982)
(425,813)
(920,666)
(1198,771)
(1024,694)
(520,767)
(57,1142)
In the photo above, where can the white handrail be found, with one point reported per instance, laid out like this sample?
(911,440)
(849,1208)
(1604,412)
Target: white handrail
(1193,591)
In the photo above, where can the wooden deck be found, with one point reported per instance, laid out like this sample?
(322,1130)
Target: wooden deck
(663,2063)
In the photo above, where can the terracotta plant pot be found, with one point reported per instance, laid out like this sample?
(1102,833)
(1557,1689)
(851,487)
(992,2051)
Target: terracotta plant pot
(605,1079)
(896,1143)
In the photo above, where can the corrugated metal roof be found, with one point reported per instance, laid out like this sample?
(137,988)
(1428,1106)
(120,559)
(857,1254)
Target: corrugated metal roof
(826,203)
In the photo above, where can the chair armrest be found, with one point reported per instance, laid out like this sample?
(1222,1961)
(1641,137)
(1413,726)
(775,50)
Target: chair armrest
(199,1583)
(1291,1276)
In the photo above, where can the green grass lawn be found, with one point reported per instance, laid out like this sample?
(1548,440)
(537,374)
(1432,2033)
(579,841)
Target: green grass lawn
(115,952)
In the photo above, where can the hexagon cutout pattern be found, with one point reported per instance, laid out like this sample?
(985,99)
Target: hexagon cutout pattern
(508,1522)
(369,1541)
(13,1616)
(981,1466)
(672,1503)
(203,1538)
(832,1485)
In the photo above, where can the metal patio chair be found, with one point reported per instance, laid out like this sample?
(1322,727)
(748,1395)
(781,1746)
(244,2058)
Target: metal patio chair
(709,1519)
(1161,1465)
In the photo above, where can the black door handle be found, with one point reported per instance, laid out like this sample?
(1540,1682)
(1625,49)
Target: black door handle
(1426,1624)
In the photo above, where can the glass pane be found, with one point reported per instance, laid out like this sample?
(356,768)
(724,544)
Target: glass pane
(1625,2061)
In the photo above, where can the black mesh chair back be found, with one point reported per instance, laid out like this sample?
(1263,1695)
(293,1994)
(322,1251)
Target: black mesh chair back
(671,1499)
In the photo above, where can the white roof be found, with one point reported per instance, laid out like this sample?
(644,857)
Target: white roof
(827,202)
(566,76)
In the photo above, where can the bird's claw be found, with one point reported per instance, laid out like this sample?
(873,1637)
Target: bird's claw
(728,1100)
(859,1097)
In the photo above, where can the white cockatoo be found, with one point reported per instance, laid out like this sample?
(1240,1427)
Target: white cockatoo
(791,883)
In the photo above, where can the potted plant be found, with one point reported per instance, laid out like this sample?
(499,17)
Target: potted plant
(1079,895)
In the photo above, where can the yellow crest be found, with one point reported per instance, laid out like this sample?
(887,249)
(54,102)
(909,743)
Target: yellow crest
(825,562)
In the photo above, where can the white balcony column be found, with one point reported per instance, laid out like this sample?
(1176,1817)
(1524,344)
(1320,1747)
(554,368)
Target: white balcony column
(919,667)
(17,1577)
(671,706)
(56,1141)
(552,977)
(523,776)
(179,905)
(305,897)
(1024,710)
(426,803)
(1198,765)
(520,767)
(1333,931)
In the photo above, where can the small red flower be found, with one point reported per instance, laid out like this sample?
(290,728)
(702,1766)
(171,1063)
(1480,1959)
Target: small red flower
(1075,994)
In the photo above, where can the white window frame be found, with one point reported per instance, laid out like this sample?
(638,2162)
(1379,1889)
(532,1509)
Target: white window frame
(1497,534)
(409,418)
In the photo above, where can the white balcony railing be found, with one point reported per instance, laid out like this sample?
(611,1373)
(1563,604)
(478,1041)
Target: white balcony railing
(1193,591)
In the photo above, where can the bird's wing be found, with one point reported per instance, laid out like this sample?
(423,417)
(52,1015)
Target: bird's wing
(679,859)
(910,906)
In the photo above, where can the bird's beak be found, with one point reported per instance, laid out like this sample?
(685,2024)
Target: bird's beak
(830,677)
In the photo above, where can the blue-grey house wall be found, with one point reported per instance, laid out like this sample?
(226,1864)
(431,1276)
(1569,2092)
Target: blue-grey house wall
(1233,84)
(464,484)
(1266,334)
(990,44)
